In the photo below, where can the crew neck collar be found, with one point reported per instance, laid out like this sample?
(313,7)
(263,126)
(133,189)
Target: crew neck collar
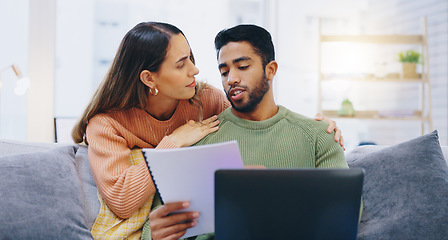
(249,124)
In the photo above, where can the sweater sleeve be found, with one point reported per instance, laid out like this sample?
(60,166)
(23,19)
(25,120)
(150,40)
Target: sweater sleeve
(329,154)
(123,187)
(214,101)
(226,104)
(166,143)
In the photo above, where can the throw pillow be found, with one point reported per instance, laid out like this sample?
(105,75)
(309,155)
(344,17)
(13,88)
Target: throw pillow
(405,192)
(88,187)
(40,196)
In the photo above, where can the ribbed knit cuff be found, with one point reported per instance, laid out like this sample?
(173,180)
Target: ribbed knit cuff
(166,143)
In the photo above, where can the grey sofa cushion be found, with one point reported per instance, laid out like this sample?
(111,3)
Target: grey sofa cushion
(405,190)
(88,187)
(13,147)
(41,196)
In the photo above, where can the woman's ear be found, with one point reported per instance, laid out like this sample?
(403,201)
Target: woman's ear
(147,79)
(271,69)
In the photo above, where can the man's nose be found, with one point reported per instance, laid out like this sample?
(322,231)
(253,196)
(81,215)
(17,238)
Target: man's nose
(233,78)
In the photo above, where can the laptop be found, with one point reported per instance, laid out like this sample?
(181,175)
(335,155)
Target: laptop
(287,203)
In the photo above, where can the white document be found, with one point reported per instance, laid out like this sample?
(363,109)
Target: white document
(187,174)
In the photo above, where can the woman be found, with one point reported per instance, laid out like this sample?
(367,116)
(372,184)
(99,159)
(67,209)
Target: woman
(148,99)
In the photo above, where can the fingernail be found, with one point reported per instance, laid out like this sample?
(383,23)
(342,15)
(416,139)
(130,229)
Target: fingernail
(185,204)
(193,223)
(195,215)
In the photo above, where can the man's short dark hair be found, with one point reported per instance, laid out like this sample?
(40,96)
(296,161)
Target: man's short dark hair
(257,36)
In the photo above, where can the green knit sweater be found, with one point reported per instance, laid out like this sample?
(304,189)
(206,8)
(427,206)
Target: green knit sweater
(286,140)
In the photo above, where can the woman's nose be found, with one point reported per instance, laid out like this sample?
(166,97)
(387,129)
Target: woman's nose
(195,70)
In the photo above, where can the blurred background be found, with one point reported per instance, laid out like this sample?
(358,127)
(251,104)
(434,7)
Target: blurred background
(63,49)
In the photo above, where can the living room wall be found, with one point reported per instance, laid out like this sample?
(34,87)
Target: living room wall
(14,32)
(404,17)
(297,48)
(88,33)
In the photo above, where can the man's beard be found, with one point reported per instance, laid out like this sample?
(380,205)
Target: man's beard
(255,96)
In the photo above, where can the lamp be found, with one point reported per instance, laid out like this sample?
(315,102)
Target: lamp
(23,83)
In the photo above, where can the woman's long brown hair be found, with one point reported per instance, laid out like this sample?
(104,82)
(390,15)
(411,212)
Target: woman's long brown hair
(144,47)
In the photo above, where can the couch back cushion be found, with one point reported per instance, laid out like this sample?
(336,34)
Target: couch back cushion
(14,147)
(88,187)
(40,196)
(405,192)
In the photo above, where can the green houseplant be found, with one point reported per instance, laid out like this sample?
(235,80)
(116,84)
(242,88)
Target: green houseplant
(409,60)
(346,108)
(410,56)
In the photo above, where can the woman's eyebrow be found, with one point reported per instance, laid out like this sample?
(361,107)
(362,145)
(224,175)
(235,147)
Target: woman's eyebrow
(182,59)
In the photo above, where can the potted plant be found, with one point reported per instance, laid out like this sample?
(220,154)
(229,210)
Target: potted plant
(409,60)
(346,108)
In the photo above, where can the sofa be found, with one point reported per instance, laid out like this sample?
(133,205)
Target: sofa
(47,190)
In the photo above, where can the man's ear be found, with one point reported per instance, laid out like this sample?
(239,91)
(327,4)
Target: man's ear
(271,69)
(147,78)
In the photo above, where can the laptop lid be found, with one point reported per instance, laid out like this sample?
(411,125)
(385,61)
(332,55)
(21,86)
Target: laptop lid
(287,203)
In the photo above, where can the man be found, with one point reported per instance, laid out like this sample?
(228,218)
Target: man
(268,135)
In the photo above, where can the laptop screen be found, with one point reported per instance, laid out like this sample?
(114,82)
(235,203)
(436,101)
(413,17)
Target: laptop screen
(287,203)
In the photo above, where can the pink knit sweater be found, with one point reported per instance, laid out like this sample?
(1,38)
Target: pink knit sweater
(112,135)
